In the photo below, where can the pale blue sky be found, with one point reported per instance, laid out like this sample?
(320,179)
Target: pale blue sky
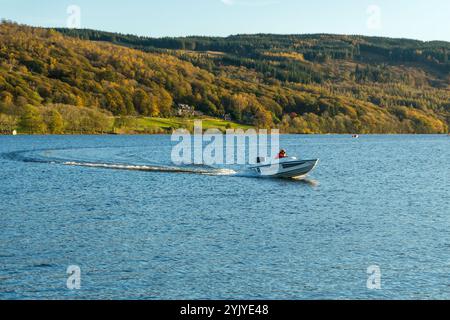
(417,19)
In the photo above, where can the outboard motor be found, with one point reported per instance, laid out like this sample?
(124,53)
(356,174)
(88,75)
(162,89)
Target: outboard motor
(260,159)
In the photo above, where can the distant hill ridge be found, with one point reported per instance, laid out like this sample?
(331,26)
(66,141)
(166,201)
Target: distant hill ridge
(299,83)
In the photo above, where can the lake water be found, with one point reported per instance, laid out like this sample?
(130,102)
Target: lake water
(159,232)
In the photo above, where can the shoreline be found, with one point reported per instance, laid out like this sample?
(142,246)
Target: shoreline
(223,133)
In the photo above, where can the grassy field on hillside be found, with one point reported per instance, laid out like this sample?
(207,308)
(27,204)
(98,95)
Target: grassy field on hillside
(167,125)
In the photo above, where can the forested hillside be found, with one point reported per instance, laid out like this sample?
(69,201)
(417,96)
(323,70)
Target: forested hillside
(75,80)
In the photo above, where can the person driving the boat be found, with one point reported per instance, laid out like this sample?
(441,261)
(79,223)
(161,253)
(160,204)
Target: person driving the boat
(282,154)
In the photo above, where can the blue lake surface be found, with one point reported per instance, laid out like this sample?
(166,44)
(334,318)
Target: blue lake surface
(156,231)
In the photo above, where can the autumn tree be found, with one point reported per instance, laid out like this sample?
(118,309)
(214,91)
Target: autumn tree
(54,122)
(32,121)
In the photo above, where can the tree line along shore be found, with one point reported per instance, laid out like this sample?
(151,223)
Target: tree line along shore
(64,119)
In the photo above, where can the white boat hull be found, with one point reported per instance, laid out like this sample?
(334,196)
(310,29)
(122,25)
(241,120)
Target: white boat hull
(286,168)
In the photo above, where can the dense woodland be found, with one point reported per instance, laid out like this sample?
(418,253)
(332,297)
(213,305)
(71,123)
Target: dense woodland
(77,81)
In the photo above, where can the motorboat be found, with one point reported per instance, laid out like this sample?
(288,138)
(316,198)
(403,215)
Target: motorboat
(289,167)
